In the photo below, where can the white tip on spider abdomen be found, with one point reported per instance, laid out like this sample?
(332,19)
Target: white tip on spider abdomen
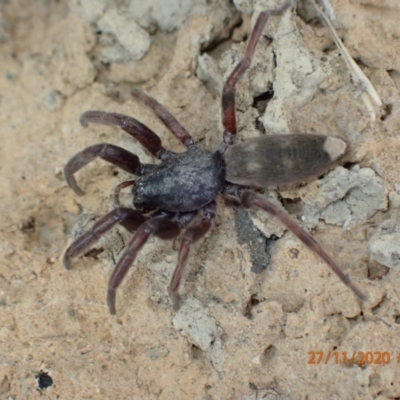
(334,147)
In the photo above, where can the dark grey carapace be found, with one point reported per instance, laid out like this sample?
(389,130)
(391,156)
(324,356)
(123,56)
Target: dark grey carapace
(268,161)
(179,192)
(196,177)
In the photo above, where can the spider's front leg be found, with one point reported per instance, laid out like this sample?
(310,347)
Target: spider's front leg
(115,155)
(144,135)
(165,117)
(228,92)
(127,217)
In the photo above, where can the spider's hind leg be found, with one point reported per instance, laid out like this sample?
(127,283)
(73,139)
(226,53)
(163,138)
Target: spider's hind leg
(249,199)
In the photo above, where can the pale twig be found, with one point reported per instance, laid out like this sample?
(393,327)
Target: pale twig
(369,94)
(328,9)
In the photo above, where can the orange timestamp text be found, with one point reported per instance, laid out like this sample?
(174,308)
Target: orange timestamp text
(355,357)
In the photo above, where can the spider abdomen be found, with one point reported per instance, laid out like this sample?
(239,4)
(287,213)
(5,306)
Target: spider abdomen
(182,182)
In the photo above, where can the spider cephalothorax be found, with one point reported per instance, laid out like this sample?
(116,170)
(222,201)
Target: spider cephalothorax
(179,192)
(182,182)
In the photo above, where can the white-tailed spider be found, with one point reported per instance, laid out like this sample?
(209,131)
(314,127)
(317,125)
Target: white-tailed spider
(179,192)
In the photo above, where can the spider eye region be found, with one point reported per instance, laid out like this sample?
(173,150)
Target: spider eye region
(182,182)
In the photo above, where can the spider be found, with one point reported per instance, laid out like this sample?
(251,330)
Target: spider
(179,193)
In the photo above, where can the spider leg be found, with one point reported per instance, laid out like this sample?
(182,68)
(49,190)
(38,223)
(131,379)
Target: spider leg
(165,117)
(127,217)
(117,191)
(249,199)
(145,169)
(228,92)
(118,156)
(144,135)
(162,226)
(194,233)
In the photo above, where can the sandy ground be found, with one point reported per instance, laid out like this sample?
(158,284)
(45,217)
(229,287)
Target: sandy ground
(255,307)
